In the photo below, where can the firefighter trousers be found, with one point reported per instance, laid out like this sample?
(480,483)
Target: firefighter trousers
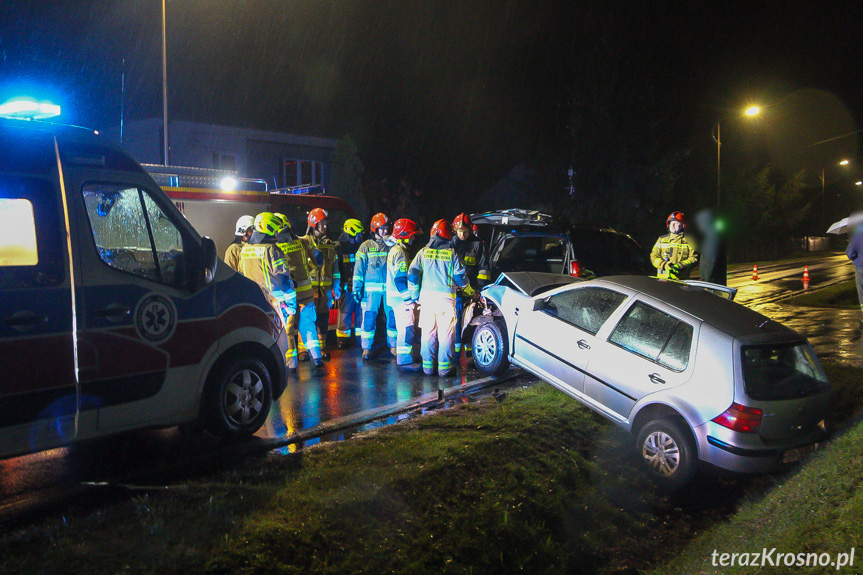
(437,322)
(350,316)
(371,305)
(406,326)
(460,303)
(302,324)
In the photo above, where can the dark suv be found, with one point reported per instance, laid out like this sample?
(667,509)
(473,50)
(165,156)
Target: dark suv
(524,240)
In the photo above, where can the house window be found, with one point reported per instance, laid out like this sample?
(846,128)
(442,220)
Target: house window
(296,172)
(225,161)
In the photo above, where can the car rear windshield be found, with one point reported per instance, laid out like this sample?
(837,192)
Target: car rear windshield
(532,254)
(786,371)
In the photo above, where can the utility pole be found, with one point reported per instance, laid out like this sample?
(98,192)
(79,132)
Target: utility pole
(165,88)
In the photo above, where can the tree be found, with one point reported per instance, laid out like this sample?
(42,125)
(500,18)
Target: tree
(347,179)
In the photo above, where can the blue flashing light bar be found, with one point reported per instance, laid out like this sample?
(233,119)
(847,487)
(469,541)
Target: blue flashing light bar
(28,109)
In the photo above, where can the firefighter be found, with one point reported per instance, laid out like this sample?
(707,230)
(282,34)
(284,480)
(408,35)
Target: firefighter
(303,322)
(346,251)
(369,284)
(243,231)
(471,250)
(433,278)
(325,275)
(263,262)
(399,297)
(674,254)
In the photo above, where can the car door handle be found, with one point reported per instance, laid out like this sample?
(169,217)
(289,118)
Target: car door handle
(114,312)
(516,311)
(655,378)
(583,344)
(25,320)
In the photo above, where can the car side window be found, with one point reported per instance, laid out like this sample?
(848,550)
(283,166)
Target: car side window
(585,308)
(133,234)
(31,243)
(654,335)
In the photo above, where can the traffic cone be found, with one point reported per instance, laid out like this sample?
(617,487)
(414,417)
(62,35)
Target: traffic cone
(755,272)
(805,277)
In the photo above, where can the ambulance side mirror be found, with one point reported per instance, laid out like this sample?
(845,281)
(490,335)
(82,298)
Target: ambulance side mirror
(210,260)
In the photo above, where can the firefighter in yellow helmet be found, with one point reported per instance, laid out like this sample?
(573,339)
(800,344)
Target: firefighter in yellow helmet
(243,231)
(434,277)
(674,254)
(350,315)
(303,322)
(263,262)
(325,275)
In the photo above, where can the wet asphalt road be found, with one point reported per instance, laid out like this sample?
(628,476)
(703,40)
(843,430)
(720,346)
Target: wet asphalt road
(350,385)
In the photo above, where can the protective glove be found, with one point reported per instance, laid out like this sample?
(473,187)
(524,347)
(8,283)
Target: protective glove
(288,309)
(331,302)
(357,297)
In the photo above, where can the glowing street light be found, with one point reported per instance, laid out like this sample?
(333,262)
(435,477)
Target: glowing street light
(750,111)
(844,163)
(859,183)
(28,109)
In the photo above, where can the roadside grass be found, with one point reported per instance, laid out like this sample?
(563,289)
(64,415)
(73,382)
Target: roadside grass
(818,510)
(842,295)
(535,483)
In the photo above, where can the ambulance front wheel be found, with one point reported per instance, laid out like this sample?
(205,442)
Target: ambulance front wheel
(238,398)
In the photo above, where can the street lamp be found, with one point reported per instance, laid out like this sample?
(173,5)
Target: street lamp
(165,86)
(750,111)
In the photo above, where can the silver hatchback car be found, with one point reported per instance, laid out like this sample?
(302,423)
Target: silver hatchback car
(691,374)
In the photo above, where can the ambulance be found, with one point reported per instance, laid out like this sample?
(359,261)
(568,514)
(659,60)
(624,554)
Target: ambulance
(115,314)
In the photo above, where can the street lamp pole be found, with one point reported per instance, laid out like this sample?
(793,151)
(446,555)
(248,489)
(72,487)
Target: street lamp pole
(715,133)
(165,89)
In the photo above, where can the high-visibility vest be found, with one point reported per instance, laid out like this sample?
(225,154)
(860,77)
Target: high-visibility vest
(326,275)
(437,272)
(398,261)
(296,257)
(370,269)
(265,265)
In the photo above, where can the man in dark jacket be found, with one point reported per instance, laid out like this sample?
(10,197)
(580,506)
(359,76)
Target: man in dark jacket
(471,250)
(346,252)
(712,262)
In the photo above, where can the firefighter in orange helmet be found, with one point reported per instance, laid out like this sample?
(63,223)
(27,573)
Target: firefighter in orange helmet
(369,283)
(399,297)
(471,250)
(323,272)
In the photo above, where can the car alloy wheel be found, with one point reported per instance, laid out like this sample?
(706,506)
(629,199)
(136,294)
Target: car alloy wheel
(485,347)
(490,348)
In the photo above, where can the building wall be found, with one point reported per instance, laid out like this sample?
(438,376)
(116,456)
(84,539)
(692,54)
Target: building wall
(253,153)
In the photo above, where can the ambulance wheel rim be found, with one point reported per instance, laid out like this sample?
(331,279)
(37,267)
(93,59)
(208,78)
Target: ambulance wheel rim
(244,397)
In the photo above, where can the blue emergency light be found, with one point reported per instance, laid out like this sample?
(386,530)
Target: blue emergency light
(28,109)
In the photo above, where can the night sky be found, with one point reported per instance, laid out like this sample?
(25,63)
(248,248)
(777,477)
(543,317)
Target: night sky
(452,94)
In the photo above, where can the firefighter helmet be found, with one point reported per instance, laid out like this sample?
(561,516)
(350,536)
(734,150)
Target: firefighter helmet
(267,223)
(283,221)
(675,216)
(243,225)
(353,227)
(379,221)
(405,229)
(316,215)
(462,221)
(442,229)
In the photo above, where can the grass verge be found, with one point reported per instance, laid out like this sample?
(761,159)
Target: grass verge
(536,483)
(842,295)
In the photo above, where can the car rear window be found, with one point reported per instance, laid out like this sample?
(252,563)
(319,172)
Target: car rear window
(532,254)
(787,371)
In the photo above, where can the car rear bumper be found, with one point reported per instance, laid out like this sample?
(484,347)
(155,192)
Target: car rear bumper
(719,446)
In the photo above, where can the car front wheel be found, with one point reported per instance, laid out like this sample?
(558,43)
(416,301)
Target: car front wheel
(490,348)
(238,398)
(668,452)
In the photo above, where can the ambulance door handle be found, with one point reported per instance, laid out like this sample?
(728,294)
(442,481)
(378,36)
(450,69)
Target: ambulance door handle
(24,320)
(114,312)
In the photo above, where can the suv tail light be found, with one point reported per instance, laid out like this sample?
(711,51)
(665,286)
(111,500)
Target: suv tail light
(740,418)
(575,269)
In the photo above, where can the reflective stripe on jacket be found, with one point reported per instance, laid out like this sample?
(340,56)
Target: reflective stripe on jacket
(265,265)
(370,269)
(472,254)
(437,272)
(346,255)
(326,275)
(232,254)
(398,261)
(296,258)
(677,249)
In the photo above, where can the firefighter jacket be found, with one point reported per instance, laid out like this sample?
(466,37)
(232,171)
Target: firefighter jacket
(437,272)
(346,254)
(370,269)
(232,254)
(264,264)
(398,261)
(324,273)
(673,250)
(296,257)
(472,254)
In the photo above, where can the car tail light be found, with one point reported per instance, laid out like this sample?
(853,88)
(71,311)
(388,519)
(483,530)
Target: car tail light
(740,418)
(575,269)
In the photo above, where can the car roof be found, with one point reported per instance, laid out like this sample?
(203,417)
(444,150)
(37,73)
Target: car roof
(732,318)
